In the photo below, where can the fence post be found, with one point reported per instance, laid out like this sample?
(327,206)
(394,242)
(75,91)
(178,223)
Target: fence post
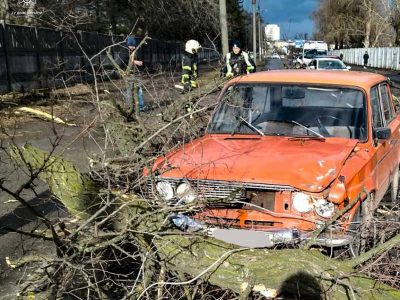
(62,56)
(9,86)
(38,57)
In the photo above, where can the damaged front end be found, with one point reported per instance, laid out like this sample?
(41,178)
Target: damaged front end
(251,214)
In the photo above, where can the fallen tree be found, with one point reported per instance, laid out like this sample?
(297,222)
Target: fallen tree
(306,274)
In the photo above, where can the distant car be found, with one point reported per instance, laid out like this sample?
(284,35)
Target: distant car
(284,152)
(276,55)
(328,64)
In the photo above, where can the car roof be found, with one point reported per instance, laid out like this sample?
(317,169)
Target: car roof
(360,79)
(327,58)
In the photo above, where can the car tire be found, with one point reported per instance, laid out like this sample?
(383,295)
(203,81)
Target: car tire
(394,189)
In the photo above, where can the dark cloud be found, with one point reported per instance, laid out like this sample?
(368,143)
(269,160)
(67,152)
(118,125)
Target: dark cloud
(293,16)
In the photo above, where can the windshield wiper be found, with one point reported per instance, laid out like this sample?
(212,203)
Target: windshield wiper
(306,137)
(251,126)
(308,129)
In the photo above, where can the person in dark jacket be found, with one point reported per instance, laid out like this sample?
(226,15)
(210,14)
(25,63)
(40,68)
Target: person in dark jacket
(365,57)
(238,62)
(189,65)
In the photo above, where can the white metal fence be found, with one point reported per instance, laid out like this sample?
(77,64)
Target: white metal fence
(385,58)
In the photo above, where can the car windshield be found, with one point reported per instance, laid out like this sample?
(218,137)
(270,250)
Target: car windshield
(331,64)
(291,110)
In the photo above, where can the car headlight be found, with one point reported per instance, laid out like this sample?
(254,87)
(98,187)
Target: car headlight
(302,202)
(165,189)
(324,208)
(185,192)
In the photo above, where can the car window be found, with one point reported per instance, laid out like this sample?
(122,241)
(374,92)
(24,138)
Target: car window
(377,120)
(388,112)
(331,64)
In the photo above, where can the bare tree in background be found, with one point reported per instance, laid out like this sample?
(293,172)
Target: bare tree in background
(356,23)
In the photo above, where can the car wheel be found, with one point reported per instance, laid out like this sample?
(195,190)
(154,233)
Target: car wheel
(394,191)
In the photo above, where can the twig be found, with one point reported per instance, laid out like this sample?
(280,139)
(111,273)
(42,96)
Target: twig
(375,251)
(332,220)
(209,268)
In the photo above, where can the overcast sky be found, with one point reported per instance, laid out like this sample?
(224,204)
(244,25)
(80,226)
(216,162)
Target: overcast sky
(292,16)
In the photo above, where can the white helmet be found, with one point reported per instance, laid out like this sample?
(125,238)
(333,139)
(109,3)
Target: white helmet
(192,46)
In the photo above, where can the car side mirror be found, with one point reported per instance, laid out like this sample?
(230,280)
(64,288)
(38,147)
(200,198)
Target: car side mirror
(348,67)
(382,133)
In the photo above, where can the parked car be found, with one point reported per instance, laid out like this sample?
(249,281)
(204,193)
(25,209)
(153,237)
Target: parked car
(327,63)
(283,153)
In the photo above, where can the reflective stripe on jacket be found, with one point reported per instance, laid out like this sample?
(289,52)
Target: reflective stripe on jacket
(189,69)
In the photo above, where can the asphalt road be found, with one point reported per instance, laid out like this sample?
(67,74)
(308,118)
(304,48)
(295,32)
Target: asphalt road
(15,216)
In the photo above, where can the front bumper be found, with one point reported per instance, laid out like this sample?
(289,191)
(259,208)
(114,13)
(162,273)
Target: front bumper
(260,239)
(270,239)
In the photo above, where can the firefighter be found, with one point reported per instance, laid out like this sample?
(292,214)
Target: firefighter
(238,62)
(189,65)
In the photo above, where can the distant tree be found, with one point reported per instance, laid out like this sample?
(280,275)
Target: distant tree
(395,19)
(356,23)
(4,14)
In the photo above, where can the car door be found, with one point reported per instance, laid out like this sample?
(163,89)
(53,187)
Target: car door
(383,116)
(392,121)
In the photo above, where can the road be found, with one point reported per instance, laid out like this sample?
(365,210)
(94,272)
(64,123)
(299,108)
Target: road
(15,216)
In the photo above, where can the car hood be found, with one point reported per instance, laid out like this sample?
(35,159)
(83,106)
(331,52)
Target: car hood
(305,164)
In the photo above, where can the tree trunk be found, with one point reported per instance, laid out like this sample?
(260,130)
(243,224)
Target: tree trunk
(291,272)
(30,13)
(367,33)
(4,14)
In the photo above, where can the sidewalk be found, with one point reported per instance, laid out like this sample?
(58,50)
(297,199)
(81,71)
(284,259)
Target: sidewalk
(393,75)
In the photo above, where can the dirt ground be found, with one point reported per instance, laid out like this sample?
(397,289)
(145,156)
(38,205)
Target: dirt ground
(78,143)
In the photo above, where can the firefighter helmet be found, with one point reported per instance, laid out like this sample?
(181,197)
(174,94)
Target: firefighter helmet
(192,46)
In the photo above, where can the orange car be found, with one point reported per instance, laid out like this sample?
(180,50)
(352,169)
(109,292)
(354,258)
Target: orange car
(284,152)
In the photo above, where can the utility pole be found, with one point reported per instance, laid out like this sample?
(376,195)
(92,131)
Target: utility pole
(254,32)
(224,27)
(259,33)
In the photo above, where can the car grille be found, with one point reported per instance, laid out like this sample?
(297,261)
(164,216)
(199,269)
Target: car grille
(218,189)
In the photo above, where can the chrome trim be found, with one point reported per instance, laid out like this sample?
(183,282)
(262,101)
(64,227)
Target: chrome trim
(219,188)
(273,238)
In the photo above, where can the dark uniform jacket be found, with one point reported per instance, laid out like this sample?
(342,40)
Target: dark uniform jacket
(189,70)
(238,64)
